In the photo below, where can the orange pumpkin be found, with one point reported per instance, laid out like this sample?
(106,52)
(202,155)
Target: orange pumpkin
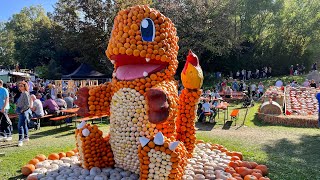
(264,178)
(62,154)
(33,161)
(41,157)
(253,164)
(263,168)
(239,154)
(234,164)
(257,171)
(75,150)
(27,169)
(32,177)
(70,153)
(257,175)
(243,171)
(230,170)
(53,156)
(250,177)
(246,164)
(235,158)
(236,175)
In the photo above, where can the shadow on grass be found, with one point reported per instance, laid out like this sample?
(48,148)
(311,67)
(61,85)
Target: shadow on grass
(205,126)
(53,132)
(294,160)
(227,125)
(18,177)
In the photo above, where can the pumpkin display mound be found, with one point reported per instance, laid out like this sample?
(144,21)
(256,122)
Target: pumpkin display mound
(300,107)
(209,161)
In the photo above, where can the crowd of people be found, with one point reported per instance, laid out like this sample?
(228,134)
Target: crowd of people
(224,90)
(29,99)
(255,74)
(299,69)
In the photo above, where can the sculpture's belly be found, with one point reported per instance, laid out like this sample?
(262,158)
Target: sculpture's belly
(128,122)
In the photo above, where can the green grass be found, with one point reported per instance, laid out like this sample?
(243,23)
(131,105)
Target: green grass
(285,159)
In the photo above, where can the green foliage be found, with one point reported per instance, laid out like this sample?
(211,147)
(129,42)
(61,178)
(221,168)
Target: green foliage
(7,49)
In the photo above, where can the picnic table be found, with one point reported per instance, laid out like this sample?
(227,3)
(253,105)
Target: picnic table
(223,106)
(72,112)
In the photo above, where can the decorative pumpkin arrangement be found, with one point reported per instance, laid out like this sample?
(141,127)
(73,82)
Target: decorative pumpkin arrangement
(301,101)
(94,150)
(37,162)
(152,130)
(160,158)
(142,98)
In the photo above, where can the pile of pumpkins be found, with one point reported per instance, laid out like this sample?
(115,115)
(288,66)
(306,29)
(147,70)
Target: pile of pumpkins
(43,163)
(209,161)
(242,170)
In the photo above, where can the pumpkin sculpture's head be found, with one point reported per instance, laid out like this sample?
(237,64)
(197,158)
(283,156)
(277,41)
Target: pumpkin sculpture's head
(143,42)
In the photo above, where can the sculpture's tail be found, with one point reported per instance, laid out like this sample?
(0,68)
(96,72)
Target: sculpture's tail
(188,105)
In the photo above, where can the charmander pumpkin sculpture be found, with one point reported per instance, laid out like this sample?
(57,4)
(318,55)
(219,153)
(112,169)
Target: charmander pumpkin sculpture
(148,121)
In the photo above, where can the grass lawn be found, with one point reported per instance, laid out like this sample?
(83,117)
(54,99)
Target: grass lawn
(290,153)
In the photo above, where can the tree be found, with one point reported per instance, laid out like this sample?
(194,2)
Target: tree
(7,49)
(88,23)
(203,26)
(33,37)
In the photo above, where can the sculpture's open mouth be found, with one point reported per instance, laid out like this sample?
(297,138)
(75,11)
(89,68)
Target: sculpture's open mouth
(133,67)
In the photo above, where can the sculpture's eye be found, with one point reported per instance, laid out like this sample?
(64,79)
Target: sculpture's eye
(147,29)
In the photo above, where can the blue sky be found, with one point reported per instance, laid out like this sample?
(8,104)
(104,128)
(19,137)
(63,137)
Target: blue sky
(10,7)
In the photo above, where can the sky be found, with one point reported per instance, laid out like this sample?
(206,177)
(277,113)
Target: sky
(10,7)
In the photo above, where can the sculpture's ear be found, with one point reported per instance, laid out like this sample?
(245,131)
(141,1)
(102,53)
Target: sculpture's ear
(144,141)
(81,125)
(173,145)
(159,139)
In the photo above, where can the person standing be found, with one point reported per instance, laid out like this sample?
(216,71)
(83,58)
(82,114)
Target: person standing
(318,98)
(23,109)
(31,85)
(260,89)
(5,123)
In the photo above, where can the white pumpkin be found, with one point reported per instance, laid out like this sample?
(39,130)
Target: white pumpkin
(85,172)
(95,171)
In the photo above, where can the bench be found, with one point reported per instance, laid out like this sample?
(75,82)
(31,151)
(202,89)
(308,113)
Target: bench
(59,118)
(13,116)
(90,118)
(38,119)
(234,115)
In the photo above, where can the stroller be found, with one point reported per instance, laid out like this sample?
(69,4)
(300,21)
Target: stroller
(247,101)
